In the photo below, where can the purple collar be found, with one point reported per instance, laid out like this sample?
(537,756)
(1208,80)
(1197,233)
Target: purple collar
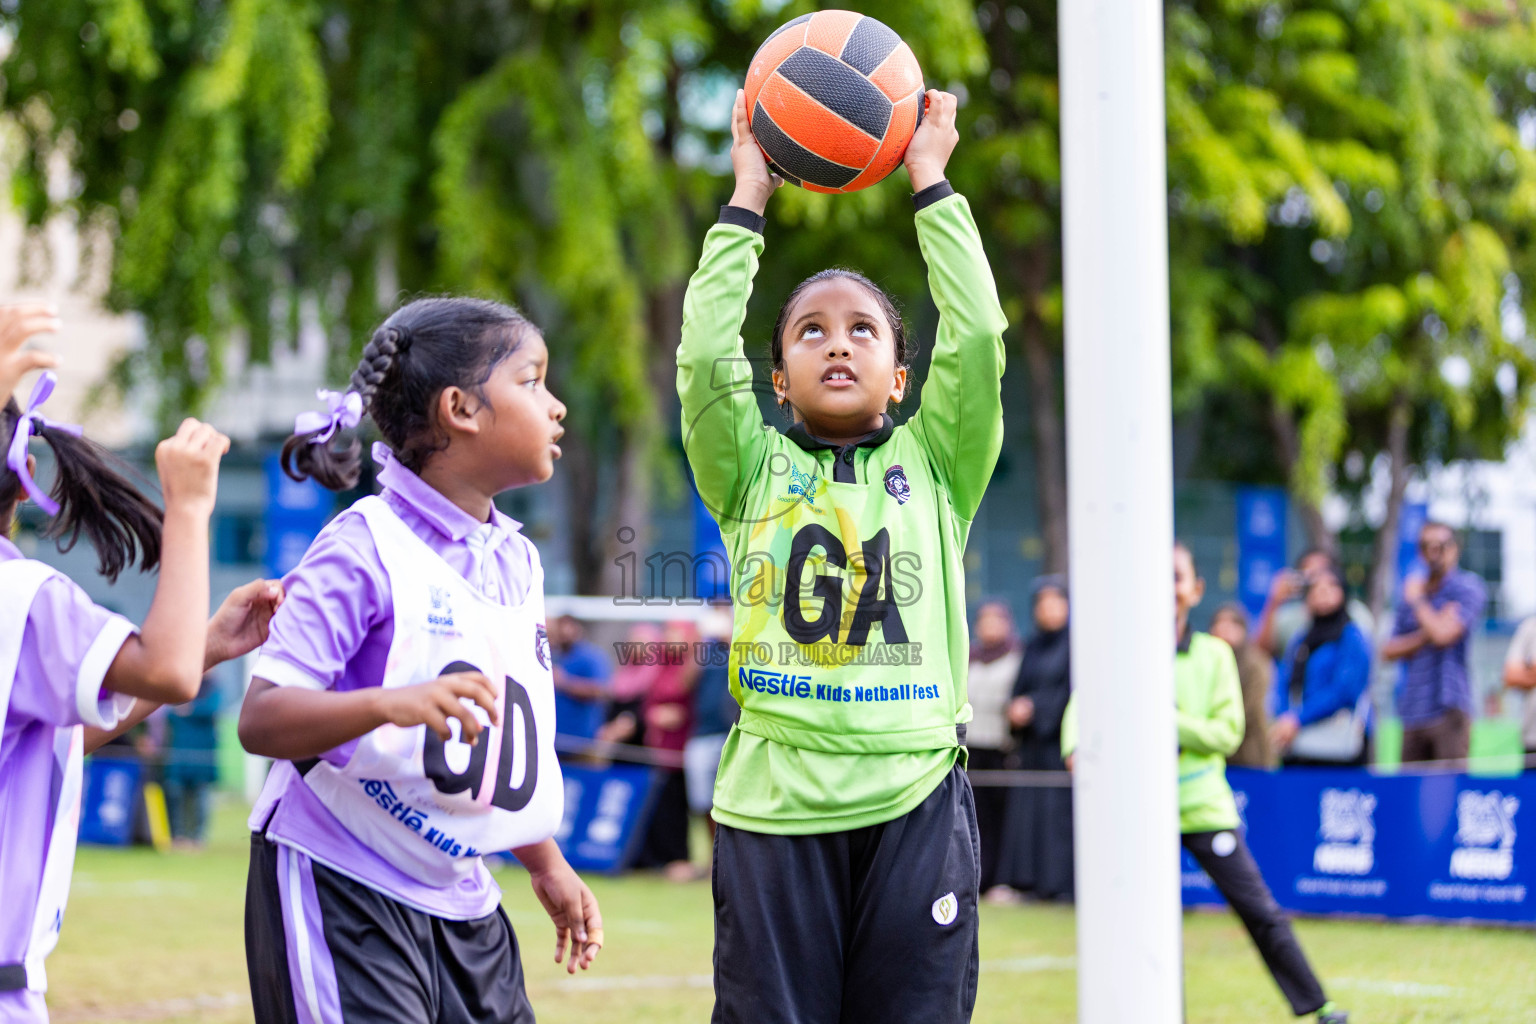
(429,503)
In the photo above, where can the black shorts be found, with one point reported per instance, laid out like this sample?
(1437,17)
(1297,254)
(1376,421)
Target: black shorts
(348,954)
(873,924)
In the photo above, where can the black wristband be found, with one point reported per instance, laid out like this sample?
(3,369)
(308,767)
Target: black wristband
(932,194)
(742,218)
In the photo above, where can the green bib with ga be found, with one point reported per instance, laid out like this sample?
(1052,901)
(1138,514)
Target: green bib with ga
(841,593)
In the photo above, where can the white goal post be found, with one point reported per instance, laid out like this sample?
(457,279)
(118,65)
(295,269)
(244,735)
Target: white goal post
(1120,510)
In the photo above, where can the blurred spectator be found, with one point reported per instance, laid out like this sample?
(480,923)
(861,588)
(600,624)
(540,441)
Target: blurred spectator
(666,719)
(714,712)
(1430,638)
(1036,851)
(1520,674)
(1256,672)
(631,683)
(192,763)
(1285,614)
(1322,712)
(995,656)
(582,675)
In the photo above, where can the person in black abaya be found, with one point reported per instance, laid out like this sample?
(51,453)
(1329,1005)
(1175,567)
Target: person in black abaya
(1036,854)
(995,657)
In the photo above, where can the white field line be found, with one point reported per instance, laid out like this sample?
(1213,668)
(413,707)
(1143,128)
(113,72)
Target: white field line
(1397,988)
(191,1006)
(637,982)
(202,1004)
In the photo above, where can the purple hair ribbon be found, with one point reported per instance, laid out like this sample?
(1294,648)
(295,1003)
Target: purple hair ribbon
(344,411)
(30,423)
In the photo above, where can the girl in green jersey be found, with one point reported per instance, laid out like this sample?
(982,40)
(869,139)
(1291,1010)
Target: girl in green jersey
(1209,716)
(846,861)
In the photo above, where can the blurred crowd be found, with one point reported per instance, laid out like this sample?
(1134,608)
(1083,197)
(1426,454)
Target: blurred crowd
(672,699)
(1305,663)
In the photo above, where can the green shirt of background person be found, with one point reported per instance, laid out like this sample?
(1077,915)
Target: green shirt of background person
(1209,702)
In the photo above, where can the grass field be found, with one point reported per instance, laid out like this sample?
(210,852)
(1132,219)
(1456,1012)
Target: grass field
(157,938)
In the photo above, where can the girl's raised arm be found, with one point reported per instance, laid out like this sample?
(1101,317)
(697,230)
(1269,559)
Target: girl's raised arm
(960,416)
(164,661)
(722,426)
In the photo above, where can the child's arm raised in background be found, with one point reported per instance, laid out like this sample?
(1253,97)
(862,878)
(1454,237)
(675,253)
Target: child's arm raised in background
(722,426)
(237,628)
(960,413)
(163,662)
(18,325)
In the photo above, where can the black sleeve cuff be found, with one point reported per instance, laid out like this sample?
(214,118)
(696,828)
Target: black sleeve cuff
(742,218)
(932,194)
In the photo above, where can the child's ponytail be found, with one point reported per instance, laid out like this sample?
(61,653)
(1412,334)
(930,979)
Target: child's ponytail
(90,495)
(311,451)
(424,347)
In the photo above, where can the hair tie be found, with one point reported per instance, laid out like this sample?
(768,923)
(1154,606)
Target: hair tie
(344,411)
(33,422)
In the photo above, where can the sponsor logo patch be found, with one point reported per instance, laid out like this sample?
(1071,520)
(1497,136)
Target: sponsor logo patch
(896,484)
(946,908)
(804,485)
(439,612)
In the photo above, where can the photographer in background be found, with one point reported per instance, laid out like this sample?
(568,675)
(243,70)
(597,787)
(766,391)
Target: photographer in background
(1285,614)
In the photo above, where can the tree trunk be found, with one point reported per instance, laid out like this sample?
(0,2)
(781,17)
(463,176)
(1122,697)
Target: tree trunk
(1045,415)
(632,504)
(1384,560)
(579,466)
(1288,440)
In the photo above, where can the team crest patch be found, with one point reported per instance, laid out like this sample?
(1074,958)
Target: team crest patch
(541,644)
(896,484)
(804,484)
(946,908)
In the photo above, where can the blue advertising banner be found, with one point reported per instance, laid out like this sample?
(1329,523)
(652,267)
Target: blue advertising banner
(712,567)
(109,798)
(1349,842)
(295,514)
(1261,513)
(607,811)
(1409,525)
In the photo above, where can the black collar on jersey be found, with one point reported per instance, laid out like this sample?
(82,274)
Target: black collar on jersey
(1185,637)
(842,459)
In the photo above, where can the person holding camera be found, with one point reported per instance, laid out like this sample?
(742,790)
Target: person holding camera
(1322,713)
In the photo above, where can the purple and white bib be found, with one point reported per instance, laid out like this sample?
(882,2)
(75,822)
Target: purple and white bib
(432,807)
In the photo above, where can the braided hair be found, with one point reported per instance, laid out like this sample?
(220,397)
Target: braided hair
(422,348)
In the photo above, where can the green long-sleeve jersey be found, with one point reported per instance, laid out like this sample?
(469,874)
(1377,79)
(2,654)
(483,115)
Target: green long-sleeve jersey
(849,649)
(1209,713)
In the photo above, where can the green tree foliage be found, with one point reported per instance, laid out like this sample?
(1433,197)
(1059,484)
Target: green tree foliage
(1350,201)
(254,158)
(1352,224)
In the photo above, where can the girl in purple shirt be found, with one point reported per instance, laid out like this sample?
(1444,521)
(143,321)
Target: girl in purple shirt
(73,674)
(406,694)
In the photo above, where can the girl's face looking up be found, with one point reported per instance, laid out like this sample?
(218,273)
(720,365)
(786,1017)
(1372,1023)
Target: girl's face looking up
(839,367)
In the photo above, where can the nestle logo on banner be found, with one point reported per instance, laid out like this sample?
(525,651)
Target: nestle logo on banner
(1485,836)
(1347,832)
